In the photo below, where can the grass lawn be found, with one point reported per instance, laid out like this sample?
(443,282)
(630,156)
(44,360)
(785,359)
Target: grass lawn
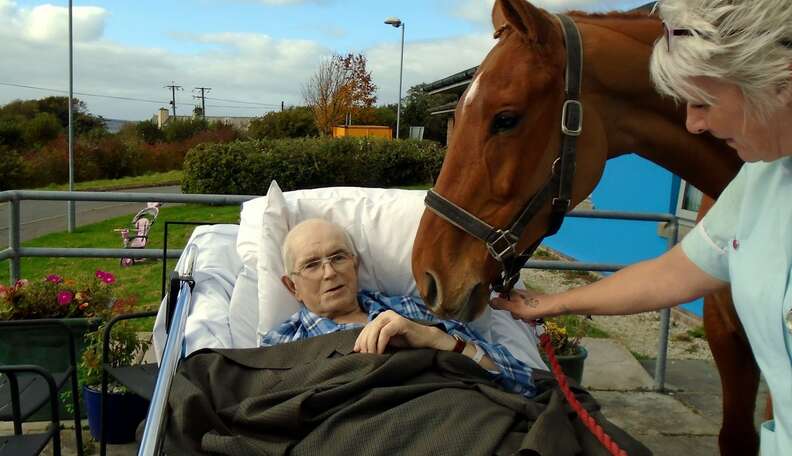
(142,279)
(148,180)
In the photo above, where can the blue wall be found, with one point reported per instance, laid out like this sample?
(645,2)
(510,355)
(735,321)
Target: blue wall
(633,184)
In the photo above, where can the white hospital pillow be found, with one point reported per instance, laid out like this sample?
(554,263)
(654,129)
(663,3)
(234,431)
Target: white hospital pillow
(243,309)
(382,223)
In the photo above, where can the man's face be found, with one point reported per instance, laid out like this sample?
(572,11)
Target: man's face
(324,272)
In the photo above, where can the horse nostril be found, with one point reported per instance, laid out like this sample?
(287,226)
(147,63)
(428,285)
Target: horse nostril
(431,291)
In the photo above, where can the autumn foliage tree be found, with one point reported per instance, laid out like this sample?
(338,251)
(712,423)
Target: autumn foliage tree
(341,85)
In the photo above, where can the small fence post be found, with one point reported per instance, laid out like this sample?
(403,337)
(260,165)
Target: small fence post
(665,321)
(13,240)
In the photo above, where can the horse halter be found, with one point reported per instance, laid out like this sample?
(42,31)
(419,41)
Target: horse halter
(502,244)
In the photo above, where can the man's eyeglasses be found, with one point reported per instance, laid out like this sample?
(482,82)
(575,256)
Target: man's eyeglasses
(671,32)
(315,268)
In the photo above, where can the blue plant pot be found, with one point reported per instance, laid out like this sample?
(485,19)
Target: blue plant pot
(124,412)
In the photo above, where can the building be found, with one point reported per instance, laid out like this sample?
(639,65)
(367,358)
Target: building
(163,116)
(629,183)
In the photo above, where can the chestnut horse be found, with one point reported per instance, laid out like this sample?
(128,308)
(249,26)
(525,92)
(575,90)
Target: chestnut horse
(507,135)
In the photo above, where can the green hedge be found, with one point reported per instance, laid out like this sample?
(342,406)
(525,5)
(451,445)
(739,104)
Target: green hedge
(248,167)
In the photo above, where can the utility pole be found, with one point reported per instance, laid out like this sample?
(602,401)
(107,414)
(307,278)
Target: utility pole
(204,91)
(283,106)
(173,88)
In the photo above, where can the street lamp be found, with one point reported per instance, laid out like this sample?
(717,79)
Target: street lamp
(70,211)
(396,22)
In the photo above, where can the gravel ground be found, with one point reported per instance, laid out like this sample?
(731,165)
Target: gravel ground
(639,333)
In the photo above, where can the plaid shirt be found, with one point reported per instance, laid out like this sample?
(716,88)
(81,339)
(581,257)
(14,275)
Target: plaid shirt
(513,374)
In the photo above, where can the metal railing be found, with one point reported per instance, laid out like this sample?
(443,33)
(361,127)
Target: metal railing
(665,314)
(14,252)
(15,197)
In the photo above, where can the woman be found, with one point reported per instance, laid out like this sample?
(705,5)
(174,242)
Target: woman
(730,61)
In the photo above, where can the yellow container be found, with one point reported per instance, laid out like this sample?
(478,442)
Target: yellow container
(363,130)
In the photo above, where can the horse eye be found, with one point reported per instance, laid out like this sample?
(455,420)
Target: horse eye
(504,121)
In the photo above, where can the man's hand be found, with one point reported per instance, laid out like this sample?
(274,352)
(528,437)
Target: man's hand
(390,328)
(524,305)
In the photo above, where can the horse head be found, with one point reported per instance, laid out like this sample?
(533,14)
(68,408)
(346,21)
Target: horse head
(506,138)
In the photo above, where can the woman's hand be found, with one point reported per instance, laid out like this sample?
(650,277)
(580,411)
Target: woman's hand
(390,328)
(525,305)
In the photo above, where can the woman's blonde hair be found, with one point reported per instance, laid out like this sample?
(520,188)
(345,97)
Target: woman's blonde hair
(744,42)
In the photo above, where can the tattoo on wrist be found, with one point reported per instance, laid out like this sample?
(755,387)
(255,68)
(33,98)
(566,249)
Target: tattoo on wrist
(532,302)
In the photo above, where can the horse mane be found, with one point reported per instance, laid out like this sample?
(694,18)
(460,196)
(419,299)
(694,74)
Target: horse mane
(612,14)
(629,23)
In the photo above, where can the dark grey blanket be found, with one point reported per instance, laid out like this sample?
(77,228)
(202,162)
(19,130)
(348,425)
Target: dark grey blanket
(318,397)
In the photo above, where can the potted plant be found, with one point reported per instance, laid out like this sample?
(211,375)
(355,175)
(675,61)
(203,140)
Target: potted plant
(565,334)
(124,409)
(76,303)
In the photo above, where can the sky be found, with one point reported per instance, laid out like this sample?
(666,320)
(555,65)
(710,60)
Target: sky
(253,54)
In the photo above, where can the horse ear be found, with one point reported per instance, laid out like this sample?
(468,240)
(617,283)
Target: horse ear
(527,19)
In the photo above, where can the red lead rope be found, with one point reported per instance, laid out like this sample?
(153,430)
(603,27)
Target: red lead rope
(587,419)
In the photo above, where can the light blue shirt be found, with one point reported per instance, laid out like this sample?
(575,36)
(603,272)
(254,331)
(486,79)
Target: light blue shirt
(746,239)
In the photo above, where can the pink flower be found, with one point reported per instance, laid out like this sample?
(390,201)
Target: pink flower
(21,283)
(108,278)
(65,297)
(54,278)
(3,291)
(100,274)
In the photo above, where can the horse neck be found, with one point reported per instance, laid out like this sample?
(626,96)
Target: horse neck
(636,119)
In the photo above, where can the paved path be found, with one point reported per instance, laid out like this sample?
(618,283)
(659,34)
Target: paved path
(43,217)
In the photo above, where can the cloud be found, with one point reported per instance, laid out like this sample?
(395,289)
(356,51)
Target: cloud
(238,66)
(49,22)
(424,62)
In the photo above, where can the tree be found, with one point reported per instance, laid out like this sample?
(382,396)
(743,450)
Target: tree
(149,132)
(295,122)
(415,112)
(25,110)
(340,86)
(359,83)
(41,129)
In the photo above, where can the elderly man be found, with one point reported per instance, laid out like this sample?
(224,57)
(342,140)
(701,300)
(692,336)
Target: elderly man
(322,273)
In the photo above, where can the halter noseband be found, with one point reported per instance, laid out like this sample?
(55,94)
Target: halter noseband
(502,244)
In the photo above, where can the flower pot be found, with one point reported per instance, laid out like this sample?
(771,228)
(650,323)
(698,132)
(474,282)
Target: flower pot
(124,412)
(45,347)
(572,365)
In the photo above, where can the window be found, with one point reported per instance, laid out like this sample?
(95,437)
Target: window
(688,203)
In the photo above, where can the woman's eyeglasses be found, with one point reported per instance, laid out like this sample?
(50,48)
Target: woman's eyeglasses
(671,32)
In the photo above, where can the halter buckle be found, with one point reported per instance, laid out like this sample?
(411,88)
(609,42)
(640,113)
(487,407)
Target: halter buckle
(506,282)
(562,204)
(499,251)
(572,118)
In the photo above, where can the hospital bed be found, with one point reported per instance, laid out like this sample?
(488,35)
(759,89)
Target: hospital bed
(226,272)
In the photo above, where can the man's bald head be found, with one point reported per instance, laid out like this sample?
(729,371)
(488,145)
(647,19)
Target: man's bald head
(308,229)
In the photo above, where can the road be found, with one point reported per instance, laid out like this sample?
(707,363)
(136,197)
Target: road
(43,217)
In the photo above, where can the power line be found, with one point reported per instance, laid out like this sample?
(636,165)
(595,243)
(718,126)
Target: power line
(242,102)
(142,100)
(242,107)
(85,94)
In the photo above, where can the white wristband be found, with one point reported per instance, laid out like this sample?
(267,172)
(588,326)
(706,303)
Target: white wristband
(479,354)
